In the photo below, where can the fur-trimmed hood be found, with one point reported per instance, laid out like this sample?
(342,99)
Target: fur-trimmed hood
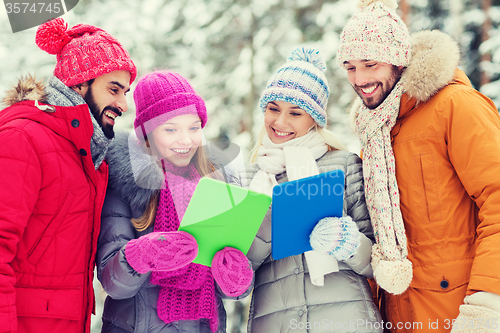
(56,93)
(28,88)
(133,174)
(435,57)
(30,100)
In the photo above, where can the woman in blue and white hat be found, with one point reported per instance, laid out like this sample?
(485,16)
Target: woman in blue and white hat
(326,289)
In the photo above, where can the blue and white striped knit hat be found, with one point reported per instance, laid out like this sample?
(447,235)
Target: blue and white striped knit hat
(302,82)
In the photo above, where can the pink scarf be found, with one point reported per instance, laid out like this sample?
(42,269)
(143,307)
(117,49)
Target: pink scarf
(187,293)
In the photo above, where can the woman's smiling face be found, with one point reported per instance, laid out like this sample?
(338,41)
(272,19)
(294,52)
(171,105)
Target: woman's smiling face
(178,139)
(285,121)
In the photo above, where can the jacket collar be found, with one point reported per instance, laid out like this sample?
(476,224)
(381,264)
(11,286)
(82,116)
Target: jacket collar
(66,107)
(73,123)
(33,94)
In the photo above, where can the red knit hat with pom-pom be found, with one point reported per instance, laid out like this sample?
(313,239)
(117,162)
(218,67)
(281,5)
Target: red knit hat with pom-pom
(84,52)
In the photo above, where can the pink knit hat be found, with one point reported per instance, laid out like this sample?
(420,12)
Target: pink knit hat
(84,52)
(375,32)
(162,95)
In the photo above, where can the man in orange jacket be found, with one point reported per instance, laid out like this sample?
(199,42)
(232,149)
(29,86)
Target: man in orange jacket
(53,179)
(431,163)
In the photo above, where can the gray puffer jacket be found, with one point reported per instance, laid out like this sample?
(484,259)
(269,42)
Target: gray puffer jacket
(285,300)
(131,304)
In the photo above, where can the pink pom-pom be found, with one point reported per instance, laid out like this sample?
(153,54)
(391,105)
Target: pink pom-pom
(52,36)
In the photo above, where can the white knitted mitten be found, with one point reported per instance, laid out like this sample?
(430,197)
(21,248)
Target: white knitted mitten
(480,313)
(335,236)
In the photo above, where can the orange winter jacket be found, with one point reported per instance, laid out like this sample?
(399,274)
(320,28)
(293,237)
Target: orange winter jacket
(447,151)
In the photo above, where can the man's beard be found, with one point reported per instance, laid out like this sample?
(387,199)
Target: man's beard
(386,87)
(98,115)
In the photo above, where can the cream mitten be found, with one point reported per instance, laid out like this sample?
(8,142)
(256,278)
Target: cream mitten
(480,313)
(335,236)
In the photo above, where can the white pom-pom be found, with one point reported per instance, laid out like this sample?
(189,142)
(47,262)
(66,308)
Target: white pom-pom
(393,276)
(310,55)
(393,4)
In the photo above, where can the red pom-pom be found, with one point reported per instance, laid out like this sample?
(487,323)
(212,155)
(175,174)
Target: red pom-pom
(52,36)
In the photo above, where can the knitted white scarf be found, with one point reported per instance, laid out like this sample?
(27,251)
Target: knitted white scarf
(298,158)
(391,268)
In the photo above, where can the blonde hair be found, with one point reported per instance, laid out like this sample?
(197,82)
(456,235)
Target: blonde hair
(204,168)
(329,138)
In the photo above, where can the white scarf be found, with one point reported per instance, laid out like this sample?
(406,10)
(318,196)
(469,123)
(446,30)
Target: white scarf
(391,268)
(298,158)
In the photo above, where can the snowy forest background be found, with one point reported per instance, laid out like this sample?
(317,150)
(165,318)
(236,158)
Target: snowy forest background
(228,49)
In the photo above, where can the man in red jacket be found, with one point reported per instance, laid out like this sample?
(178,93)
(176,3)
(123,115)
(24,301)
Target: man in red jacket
(53,140)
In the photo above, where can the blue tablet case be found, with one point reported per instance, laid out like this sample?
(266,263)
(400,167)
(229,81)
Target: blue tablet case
(298,205)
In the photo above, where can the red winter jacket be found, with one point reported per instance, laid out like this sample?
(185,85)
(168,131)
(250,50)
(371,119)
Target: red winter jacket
(50,204)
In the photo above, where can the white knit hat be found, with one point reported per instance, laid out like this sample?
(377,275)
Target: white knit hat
(377,33)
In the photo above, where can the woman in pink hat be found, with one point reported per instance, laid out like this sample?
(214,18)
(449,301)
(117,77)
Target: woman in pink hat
(144,263)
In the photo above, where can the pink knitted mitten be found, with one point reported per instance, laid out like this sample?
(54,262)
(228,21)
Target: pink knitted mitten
(161,251)
(232,271)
